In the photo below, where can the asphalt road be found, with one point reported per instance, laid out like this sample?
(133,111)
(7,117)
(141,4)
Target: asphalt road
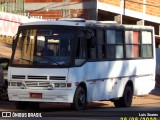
(143,108)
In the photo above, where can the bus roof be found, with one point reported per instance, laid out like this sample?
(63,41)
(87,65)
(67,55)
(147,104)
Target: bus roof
(63,23)
(114,25)
(89,23)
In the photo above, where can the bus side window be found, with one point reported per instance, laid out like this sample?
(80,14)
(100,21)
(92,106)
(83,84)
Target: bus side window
(80,53)
(80,49)
(91,44)
(101,44)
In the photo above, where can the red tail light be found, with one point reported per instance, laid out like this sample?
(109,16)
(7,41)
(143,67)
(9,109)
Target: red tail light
(69,84)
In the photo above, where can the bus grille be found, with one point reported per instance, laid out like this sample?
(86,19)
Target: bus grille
(32,77)
(18,77)
(36,84)
(57,78)
(38,77)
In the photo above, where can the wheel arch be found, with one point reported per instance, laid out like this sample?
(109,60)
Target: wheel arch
(84,86)
(79,103)
(129,83)
(126,99)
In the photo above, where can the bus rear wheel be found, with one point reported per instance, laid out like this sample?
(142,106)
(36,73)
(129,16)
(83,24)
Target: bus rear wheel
(79,102)
(126,100)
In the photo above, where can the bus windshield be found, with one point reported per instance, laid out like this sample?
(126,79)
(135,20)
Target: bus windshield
(43,47)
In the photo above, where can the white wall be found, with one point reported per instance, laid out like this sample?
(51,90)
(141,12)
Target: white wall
(9,23)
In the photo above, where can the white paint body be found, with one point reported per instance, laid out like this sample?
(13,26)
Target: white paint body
(104,80)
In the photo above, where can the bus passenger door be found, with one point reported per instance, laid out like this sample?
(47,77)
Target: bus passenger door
(90,65)
(80,58)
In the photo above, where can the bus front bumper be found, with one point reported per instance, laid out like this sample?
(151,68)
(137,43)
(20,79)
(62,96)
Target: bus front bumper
(65,96)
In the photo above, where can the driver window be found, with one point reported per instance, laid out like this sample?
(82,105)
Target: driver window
(45,46)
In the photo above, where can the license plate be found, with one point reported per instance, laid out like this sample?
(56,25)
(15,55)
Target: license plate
(35,95)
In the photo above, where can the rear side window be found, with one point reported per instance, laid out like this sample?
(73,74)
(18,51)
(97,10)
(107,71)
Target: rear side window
(132,44)
(114,40)
(147,44)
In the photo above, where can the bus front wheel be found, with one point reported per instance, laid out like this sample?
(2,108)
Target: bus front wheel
(126,100)
(79,102)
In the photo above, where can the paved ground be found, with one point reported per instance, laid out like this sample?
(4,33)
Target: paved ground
(5,50)
(153,97)
(101,110)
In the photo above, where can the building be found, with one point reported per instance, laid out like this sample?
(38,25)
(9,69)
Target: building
(141,12)
(12,6)
(136,12)
(11,15)
(55,9)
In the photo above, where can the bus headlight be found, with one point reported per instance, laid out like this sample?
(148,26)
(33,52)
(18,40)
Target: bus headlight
(57,84)
(63,84)
(22,86)
(13,84)
(50,87)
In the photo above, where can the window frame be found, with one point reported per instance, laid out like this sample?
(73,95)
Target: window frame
(116,44)
(124,44)
(139,44)
(102,44)
(88,48)
(151,45)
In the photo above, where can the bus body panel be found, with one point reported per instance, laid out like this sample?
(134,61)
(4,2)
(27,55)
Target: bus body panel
(114,69)
(60,95)
(109,78)
(38,71)
(37,81)
(107,84)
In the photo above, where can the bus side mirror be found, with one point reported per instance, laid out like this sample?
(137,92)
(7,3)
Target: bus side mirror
(13,43)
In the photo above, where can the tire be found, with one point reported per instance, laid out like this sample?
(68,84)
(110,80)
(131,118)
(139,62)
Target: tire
(79,102)
(21,105)
(126,100)
(4,94)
